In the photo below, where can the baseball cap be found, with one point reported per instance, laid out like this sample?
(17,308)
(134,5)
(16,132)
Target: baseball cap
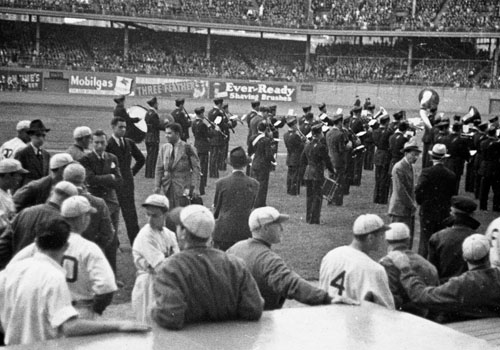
(397,232)
(265,215)
(476,247)
(23,124)
(81,131)
(67,188)
(75,173)
(156,200)
(59,160)
(76,206)
(8,166)
(197,219)
(368,223)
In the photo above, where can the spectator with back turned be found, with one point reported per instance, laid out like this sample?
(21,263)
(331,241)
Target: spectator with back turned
(234,199)
(398,239)
(445,246)
(229,291)
(276,281)
(435,187)
(473,294)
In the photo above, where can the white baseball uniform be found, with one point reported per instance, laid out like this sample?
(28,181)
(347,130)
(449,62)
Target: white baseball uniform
(34,300)
(348,272)
(88,273)
(150,248)
(9,148)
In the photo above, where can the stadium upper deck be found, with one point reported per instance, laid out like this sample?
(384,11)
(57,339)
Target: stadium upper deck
(406,15)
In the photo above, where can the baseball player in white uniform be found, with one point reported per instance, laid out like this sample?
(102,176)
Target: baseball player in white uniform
(90,278)
(9,148)
(348,271)
(151,246)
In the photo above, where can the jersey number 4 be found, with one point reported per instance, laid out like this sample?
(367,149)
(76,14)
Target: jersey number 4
(338,282)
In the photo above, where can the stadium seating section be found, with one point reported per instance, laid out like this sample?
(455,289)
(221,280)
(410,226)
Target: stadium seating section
(449,15)
(183,54)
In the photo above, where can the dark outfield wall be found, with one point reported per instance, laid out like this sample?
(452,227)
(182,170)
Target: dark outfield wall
(97,89)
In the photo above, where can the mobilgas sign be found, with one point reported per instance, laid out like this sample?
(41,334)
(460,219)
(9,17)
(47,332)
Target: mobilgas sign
(91,84)
(254,91)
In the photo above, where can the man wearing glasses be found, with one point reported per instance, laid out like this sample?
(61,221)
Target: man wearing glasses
(33,157)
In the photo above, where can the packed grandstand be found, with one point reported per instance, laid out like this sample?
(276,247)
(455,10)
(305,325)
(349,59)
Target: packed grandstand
(456,62)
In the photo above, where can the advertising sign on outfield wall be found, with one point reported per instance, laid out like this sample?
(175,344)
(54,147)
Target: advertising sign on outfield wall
(272,92)
(170,87)
(95,84)
(12,79)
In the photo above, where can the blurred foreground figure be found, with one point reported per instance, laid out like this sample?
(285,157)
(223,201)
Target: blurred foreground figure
(202,283)
(35,302)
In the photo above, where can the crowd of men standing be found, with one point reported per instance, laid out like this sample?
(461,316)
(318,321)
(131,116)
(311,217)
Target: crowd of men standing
(71,202)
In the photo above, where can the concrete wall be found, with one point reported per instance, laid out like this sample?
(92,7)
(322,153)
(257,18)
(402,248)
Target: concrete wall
(392,97)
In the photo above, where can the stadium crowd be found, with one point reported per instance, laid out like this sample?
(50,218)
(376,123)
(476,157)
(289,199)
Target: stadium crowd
(165,53)
(64,209)
(449,15)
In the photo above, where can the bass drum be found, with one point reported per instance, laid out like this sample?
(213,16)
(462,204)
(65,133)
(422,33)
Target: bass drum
(138,131)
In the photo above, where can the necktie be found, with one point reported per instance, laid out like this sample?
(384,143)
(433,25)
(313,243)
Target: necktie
(172,157)
(121,142)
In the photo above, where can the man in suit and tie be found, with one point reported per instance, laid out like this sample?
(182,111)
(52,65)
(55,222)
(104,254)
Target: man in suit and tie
(234,199)
(104,178)
(177,169)
(125,149)
(435,187)
(402,204)
(33,157)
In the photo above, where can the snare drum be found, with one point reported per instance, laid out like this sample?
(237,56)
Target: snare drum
(329,188)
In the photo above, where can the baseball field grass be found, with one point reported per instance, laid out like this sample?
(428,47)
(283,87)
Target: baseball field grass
(303,245)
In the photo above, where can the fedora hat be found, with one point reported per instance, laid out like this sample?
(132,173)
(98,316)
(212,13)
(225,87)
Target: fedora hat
(411,146)
(37,126)
(438,151)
